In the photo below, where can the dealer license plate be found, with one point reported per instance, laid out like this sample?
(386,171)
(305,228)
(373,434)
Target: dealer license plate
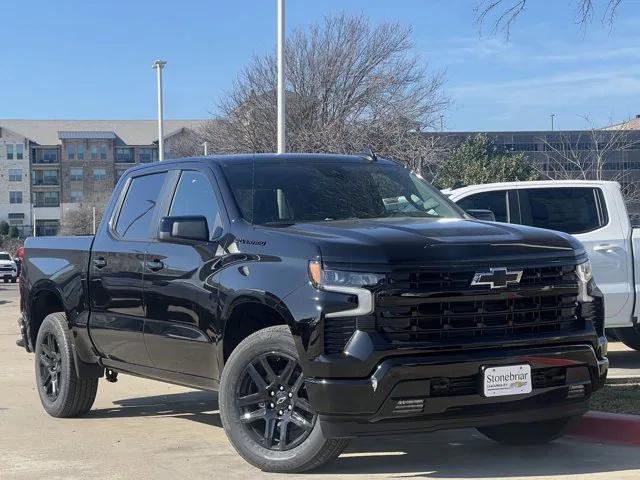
(507,380)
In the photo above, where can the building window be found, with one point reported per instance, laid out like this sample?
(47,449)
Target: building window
(47,199)
(9,151)
(124,155)
(146,155)
(99,174)
(80,152)
(15,174)
(75,174)
(19,151)
(47,228)
(94,152)
(45,177)
(45,155)
(16,219)
(103,151)
(77,197)
(15,197)
(71,151)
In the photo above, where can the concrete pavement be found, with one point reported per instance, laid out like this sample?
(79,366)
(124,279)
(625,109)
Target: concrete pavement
(148,430)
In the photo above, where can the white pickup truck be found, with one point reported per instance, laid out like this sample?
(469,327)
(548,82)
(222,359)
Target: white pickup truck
(592,211)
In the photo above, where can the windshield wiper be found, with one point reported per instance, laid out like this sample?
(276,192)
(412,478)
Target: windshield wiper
(279,223)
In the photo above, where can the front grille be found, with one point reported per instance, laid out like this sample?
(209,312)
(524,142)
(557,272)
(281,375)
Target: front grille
(6,269)
(490,316)
(429,281)
(442,306)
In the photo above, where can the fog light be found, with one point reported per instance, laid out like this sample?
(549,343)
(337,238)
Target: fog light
(576,391)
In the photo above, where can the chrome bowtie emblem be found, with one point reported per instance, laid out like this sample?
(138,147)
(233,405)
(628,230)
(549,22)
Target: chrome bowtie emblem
(497,278)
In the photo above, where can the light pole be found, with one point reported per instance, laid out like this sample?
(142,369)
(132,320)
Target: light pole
(282,145)
(159,65)
(205,149)
(553,115)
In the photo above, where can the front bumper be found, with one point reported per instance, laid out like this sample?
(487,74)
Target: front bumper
(400,395)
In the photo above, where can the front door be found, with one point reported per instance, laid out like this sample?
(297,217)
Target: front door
(582,212)
(180,297)
(116,268)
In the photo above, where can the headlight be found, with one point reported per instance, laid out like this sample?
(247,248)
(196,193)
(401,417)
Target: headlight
(585,274)
(346,282)
(584,271)
(328,279)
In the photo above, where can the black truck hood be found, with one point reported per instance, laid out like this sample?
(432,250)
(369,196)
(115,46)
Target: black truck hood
(425,241)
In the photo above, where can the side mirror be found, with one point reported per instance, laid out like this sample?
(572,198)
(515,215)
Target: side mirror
(189,228)
(485,215)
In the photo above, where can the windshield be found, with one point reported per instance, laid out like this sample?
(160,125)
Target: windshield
(271,193)
(5,256)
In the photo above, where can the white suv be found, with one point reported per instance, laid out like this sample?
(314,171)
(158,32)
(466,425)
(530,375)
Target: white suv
(8,268)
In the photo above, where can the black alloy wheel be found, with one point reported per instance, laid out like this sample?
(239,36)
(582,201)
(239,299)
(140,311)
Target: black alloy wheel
(274,407)
(50,364)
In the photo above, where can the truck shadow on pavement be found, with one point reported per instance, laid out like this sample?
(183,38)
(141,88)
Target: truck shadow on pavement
(627,359)
(199,406)
(446,454)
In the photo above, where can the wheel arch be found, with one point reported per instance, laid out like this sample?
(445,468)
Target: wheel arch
(247,314)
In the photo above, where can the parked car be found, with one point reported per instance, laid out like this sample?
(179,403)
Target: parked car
(593,212)
(8,268)
(319,308)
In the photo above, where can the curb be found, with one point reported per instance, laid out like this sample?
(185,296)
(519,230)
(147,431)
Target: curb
(607,428)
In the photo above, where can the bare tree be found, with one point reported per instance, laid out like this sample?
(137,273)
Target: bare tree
(350,85)
(597,154)
(79,220)
(502,14)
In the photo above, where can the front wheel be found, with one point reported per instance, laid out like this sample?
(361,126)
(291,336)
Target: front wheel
(14,280)
(265,409)
(527,433)
(629,336)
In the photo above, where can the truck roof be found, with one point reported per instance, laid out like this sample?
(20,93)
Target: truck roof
(536,183)
(276,158)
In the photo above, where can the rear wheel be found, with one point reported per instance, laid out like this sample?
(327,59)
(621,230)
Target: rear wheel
(629,336)
(527,433)
(62,393)
(265,409)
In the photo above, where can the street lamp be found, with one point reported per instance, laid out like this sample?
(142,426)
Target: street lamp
(282,142)
(553,116)
(159,65)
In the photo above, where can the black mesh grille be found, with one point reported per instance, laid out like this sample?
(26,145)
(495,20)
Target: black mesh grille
(436,306)
(432,320)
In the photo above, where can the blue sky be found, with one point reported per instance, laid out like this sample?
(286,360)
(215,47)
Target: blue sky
(92,59)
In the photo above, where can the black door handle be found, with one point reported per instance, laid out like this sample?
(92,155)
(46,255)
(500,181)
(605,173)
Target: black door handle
(154,265)
(100,262)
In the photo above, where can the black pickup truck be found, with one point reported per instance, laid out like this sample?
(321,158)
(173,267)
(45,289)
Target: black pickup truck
(325,297)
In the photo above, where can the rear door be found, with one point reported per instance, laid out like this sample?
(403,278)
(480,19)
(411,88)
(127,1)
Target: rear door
(181,300)
(584,213)
(116,269)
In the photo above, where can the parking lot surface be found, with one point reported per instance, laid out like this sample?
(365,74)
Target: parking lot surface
(144,429)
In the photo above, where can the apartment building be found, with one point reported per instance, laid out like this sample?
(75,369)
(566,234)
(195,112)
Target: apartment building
(15,188)
(68,163)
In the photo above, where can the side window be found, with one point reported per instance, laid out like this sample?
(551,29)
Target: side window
(195,196)
(135,217)
(494,201)
(570,210)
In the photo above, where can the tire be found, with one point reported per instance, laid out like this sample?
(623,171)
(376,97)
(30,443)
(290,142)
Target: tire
(528,433)
(303,449)
(6,280)
(61,392)
(629,336)
(14,280)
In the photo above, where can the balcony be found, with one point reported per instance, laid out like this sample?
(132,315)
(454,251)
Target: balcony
(45,156)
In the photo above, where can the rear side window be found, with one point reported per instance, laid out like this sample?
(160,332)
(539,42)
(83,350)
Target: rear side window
(194,196)
(570,210)
(494,201)
(137,210)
